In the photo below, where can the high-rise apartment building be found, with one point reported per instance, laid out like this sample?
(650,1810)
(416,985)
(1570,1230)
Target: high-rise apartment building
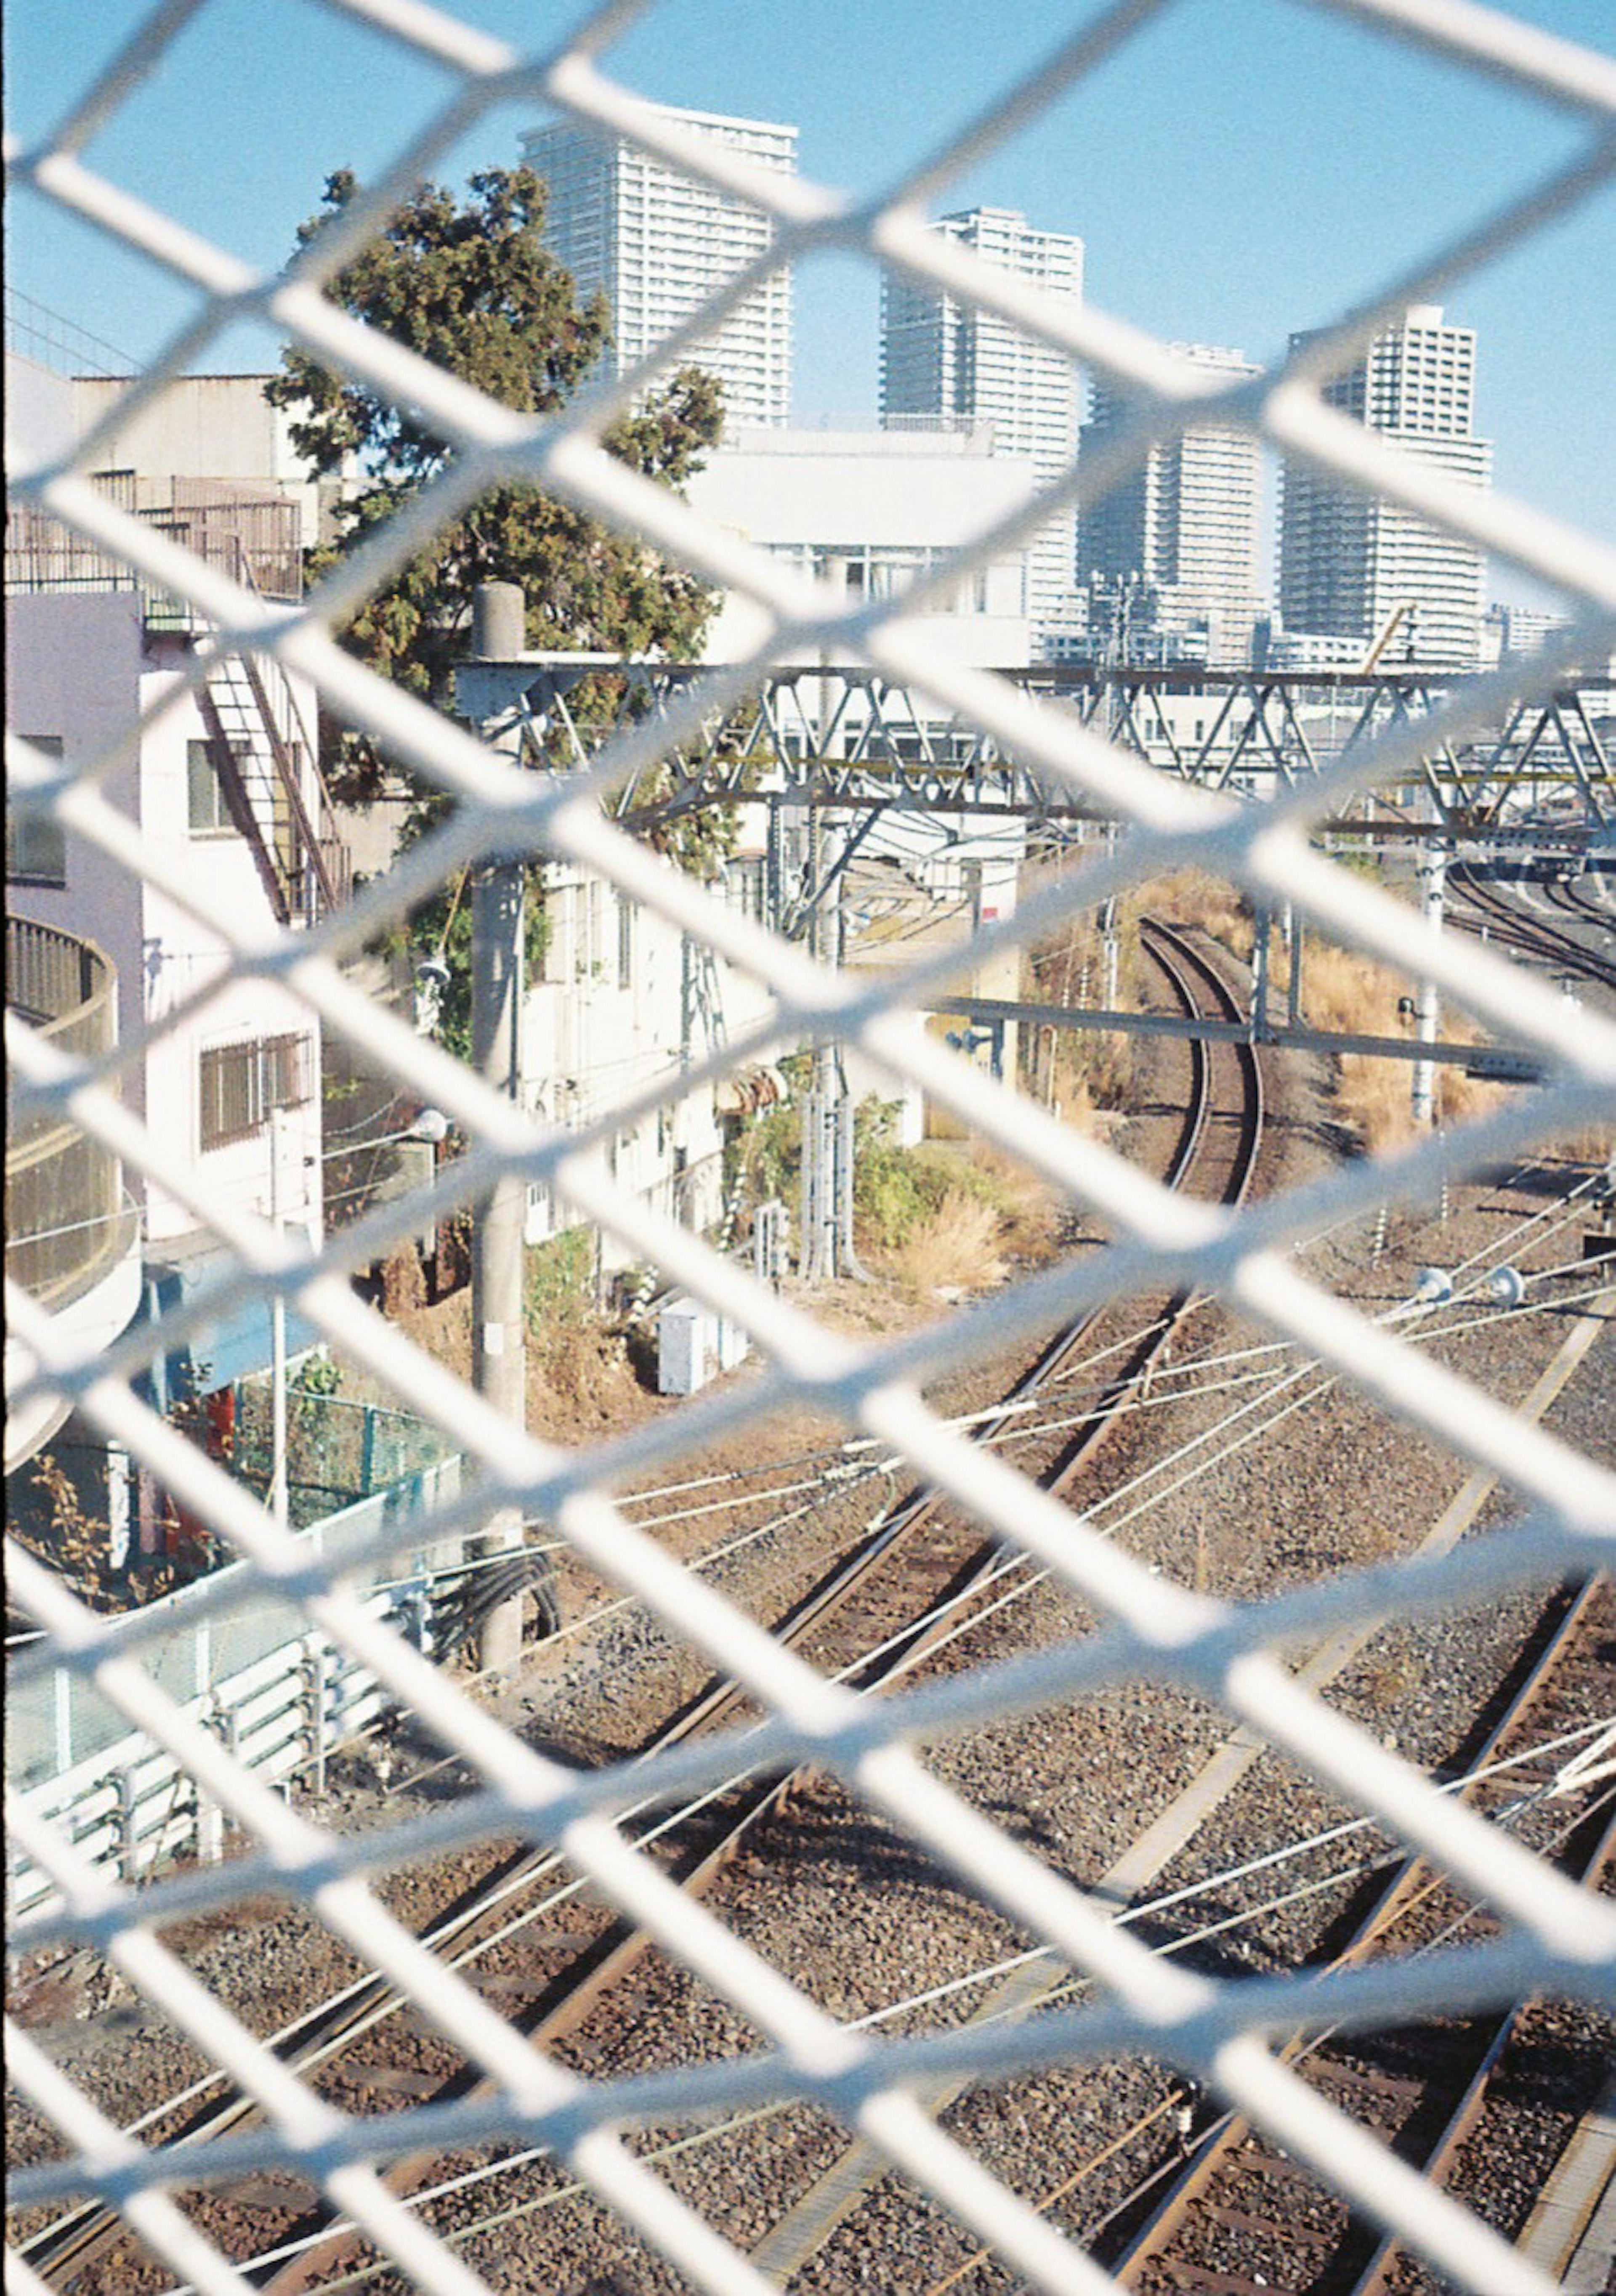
(1186,523)
(1347,562)
(943,361)
(659,243)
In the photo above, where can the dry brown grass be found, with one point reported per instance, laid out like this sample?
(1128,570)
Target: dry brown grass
(1596,1144)
(1087,1083)
(1342,990)
(1081,1072)
(1029,1215)
(960,1244)
(1192,897)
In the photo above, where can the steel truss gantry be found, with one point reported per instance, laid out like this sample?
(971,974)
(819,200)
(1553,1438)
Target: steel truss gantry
(850,736)
(844,750)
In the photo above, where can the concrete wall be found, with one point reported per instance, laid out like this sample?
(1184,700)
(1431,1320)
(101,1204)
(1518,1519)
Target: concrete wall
(39,417)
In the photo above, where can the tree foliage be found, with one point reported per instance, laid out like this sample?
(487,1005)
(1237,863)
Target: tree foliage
(473,288)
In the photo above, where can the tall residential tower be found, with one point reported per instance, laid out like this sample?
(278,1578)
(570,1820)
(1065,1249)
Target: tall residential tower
(658,242)
(943,362)
(1347,562)
(1186,523)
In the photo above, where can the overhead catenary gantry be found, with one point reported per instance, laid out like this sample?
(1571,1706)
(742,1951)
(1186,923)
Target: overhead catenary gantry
(846,752)
(852,737)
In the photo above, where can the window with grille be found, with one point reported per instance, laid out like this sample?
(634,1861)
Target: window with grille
(241,1084)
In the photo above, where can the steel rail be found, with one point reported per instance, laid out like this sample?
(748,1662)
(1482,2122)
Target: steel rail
(1438,2164)
(568,1998)
(67,2247)
(1536,936)
(1396,1892)
(809,2222)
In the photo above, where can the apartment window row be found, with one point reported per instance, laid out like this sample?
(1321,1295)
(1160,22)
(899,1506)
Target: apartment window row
(241,1084)
(35,848)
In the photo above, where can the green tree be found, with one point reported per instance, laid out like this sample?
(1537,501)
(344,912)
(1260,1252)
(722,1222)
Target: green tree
(472,287)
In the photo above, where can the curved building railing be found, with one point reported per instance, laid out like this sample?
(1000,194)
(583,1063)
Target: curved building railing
(67,1220)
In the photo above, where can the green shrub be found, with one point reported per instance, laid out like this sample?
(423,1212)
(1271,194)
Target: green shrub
(559,1286)
(895,1190)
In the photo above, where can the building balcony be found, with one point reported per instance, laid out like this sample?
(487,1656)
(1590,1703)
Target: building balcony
(253,538)
(72,1237)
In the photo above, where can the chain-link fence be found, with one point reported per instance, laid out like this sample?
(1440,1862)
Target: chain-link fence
(337,1451)
(1555,1937)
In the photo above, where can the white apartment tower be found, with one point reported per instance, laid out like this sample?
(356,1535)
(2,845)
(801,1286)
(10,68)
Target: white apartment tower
(1347,562)
(942,361)
(659,243)
(1187,521)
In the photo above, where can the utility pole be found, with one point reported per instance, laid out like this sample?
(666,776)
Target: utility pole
(1262,931)
(826,1222)
(278,1506)
(1430,871)
(499,1219)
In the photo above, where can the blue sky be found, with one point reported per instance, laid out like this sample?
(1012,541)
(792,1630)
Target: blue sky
(1240,168)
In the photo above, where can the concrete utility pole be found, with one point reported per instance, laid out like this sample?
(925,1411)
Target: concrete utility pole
(1430,871)
(278,1493)
(499,1219)
(1262,931)
(827,1221)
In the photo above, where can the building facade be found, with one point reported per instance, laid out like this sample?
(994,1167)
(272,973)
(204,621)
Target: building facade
(1347,563)
(229,1086)
(657,243)
(217,428)
(871,512)
(621,1002)
(943,361)
(1186,525)
(1511,632)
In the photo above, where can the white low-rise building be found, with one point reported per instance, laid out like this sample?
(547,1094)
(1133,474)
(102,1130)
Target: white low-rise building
(210,771)
(228,1085)
(624,1000)
(871,512)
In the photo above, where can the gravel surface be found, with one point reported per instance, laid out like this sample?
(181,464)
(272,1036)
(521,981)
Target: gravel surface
(1308,1480)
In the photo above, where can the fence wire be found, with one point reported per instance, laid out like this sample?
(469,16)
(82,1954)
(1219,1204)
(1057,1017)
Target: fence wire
(1554,1938)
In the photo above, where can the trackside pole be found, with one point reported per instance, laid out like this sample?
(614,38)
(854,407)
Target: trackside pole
(1430,871)
(499,1219)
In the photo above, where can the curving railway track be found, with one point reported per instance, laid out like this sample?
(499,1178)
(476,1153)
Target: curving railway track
(899,1594)
(896,1595)
(915,1563)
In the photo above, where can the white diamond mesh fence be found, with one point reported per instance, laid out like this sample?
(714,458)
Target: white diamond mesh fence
(1552,1936)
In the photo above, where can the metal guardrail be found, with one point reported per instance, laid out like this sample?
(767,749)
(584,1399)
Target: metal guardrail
(67,1222)
(244,537)
(1555,1938)
(280,1698)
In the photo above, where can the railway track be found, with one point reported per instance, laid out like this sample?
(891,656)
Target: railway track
(1225,2222)
(1087,2195)
(916,1562)
(914,1552)
(1534,935)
